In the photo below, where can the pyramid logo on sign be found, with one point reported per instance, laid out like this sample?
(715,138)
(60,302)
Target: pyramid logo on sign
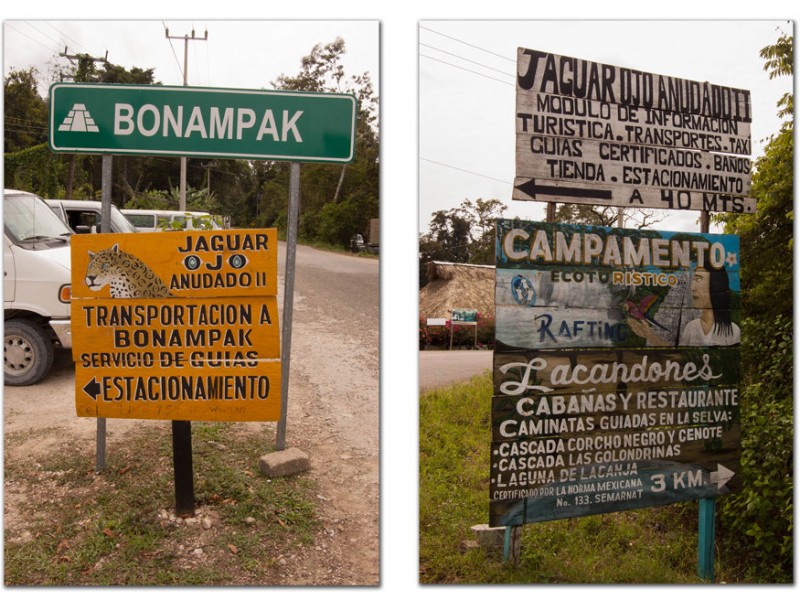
(78,119)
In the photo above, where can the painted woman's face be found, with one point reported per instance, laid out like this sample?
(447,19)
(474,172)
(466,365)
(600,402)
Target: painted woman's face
(701,289)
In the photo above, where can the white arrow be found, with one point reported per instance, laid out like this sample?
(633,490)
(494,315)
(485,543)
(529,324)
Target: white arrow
(721,476)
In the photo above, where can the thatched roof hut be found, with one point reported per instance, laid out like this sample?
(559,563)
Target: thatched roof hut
(454,285)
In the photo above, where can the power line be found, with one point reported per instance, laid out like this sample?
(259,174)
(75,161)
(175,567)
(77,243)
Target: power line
(27,36)
(21,120)
(40,32)
(78,45)
(465,69)
(441,164)
(466,59)
(468,44)
(511,83)
(27,127)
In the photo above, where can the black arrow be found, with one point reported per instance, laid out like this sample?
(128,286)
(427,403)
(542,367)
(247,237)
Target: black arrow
(93,388)
(531,189)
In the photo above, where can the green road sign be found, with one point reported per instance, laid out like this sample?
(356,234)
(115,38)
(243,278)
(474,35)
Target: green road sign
(207,122)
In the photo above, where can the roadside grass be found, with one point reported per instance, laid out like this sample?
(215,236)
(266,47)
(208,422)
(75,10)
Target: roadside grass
(81,528)
(652,545)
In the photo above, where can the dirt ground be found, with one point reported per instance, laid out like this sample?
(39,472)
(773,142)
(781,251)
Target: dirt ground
(333,416)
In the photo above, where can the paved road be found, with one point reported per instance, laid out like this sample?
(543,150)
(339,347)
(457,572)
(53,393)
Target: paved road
(439,368)
(334,402)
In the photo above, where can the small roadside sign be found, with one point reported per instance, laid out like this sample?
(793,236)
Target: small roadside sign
(180,326)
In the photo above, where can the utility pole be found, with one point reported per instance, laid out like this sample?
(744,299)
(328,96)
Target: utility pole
(182,430)
(72,57)
(186,39)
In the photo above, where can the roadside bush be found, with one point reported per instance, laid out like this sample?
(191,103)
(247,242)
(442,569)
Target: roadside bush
(757,523)
(335,222)
(35,170)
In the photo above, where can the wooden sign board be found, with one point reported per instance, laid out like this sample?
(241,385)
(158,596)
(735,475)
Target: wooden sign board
(568,116)
(547,73)
(627,196)
(564,286)
(634,165)
(602,399)
(600,134)
(177,325)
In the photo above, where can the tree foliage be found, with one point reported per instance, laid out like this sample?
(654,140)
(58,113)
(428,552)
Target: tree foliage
(25,118)
(460,235)
(779,59)
(607,216)
(759,521)
(251,193)
(354,186)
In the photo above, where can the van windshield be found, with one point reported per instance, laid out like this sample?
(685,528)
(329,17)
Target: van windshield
(120,223)
(26,218)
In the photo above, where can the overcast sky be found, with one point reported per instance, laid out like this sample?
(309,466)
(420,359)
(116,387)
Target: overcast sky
(237,54)
(467,91)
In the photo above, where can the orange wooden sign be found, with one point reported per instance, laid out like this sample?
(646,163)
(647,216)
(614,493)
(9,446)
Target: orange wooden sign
(180,325)
(232,391)
(216,263)
(123,333)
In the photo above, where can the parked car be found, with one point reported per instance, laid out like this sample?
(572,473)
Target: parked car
(166,220)
(36,287)
(83,216)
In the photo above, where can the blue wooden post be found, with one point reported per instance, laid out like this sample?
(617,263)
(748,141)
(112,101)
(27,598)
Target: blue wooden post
(507,543)
(705,540)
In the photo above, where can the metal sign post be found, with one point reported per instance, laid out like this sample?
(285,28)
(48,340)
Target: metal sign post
(105,226)
(288,298)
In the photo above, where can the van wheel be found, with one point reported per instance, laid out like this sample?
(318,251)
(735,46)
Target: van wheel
(27,353)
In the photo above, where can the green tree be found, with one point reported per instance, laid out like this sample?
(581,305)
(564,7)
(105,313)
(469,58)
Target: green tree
(483,214)
(25,118)
(759,521)
(607,216)
(356,185)
(460,235)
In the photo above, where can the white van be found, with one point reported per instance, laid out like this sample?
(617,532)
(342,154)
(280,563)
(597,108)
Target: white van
(36,287)
(83,216)
(166,220)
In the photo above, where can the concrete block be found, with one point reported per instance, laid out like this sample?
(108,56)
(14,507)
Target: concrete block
(489,537)
(492,540)
(283,463)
